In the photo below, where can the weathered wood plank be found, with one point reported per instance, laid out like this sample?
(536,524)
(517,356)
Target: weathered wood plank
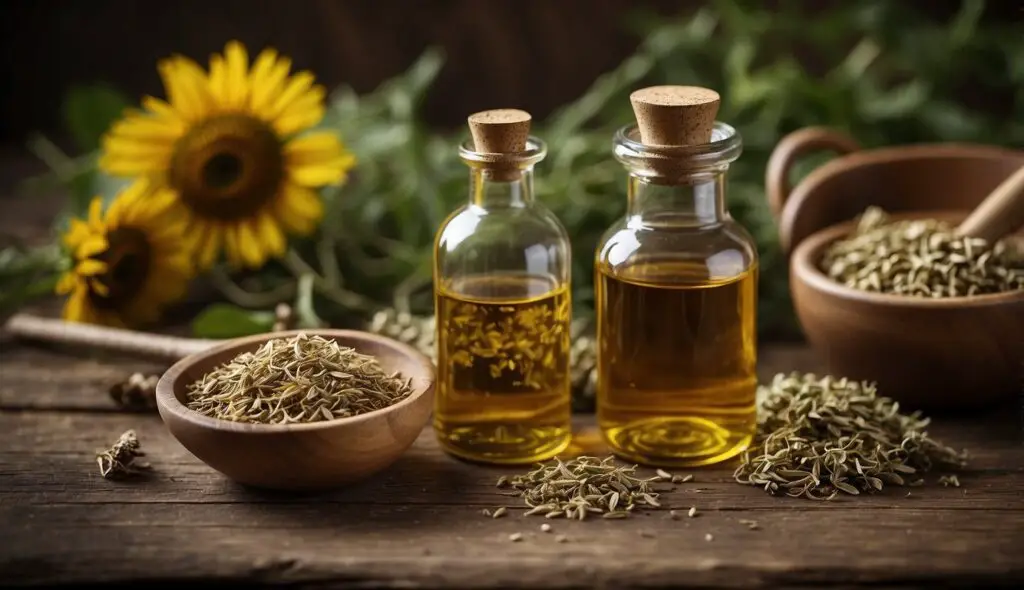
(47,458)
(418,524)
(451,546)
(33,377)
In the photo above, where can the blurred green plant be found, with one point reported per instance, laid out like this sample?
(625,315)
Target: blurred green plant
(891,76)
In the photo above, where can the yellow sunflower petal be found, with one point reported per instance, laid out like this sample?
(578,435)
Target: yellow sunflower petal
(147,129)
(78,232)
(232,245)
(124,166)
(302,113)
(317,159)
(249,245)
(90,266)
(209,244)
(138,149)
(75,307)
(270,234)
(164,113)
(187,87)
(266,90)
(262,68)
(219,79)
(313,148)
(92,246)
(67,283)
(96,214)
(237,75)
(299,208)
(117,209)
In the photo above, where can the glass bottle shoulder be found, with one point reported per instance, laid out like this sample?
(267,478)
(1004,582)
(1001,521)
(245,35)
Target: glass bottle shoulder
(718,252)
(473,226)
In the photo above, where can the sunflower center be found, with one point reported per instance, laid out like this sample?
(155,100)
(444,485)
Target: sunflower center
(227,167)
(222,171)
(127,257)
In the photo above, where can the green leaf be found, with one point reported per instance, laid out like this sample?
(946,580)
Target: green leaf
(89,111)
(223,320)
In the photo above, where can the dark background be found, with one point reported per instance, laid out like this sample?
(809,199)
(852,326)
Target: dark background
(534,54)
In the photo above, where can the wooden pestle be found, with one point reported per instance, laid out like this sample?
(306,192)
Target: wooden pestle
(139,344)
(1000,214)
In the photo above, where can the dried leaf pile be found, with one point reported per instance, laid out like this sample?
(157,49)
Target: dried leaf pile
(298,379)
(582,487)
(921,258)
(822,436)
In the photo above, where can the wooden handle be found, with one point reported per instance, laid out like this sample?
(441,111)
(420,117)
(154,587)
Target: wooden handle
(1000,214)
(790,149)
(141,344)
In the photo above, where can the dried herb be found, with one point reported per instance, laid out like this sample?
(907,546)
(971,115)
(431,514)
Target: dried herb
(750,524)
(921,258)
(821,436)
(298,379)
(137,393)
(119,460)
(582,487)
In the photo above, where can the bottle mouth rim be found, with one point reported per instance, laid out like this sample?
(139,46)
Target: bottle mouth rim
(535,151)
(725,146)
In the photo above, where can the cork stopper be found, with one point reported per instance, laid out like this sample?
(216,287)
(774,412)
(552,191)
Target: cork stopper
(675,115)
(500,131)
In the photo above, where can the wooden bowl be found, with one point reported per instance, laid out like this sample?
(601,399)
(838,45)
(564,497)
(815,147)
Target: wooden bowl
(945,354)
(313,456)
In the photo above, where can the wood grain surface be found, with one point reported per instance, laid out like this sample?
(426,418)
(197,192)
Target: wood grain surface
(418,524)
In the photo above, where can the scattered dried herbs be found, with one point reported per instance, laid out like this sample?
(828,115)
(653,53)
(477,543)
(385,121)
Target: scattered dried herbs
(921,258)
(137,393)
(119,459)
(821,436)
(298,379)
(582,487)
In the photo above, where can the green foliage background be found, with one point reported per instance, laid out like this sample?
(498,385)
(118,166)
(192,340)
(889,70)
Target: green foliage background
(881,72)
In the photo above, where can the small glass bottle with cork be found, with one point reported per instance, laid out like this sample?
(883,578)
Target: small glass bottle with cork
(676,291)
(501,290)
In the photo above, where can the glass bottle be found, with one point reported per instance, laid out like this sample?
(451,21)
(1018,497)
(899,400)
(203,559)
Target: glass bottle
(676,291)
(501,290)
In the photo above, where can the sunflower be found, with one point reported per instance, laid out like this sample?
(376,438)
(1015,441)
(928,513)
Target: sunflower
(128,263)
(230,145)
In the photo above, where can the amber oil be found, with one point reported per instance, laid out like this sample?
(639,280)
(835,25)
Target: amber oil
(676,291)
(502,266)
(503,368)
(677,373)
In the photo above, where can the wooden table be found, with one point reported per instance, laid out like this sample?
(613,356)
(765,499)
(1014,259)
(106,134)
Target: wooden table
(419,524)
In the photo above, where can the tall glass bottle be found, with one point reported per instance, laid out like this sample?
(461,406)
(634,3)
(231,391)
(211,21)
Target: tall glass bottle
(501,287)
(676,291)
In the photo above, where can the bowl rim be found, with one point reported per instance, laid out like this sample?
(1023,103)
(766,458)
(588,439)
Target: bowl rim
(804,267)
(849,163)
(168,402)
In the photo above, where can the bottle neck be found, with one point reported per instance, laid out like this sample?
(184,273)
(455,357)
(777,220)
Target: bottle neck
(490,188)
(701,201)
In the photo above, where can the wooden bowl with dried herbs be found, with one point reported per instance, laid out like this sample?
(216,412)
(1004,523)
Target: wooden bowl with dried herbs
(299,410)
(883,287)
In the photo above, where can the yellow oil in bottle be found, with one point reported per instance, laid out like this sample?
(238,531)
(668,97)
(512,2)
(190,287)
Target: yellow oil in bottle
(503,390)
(677,362)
